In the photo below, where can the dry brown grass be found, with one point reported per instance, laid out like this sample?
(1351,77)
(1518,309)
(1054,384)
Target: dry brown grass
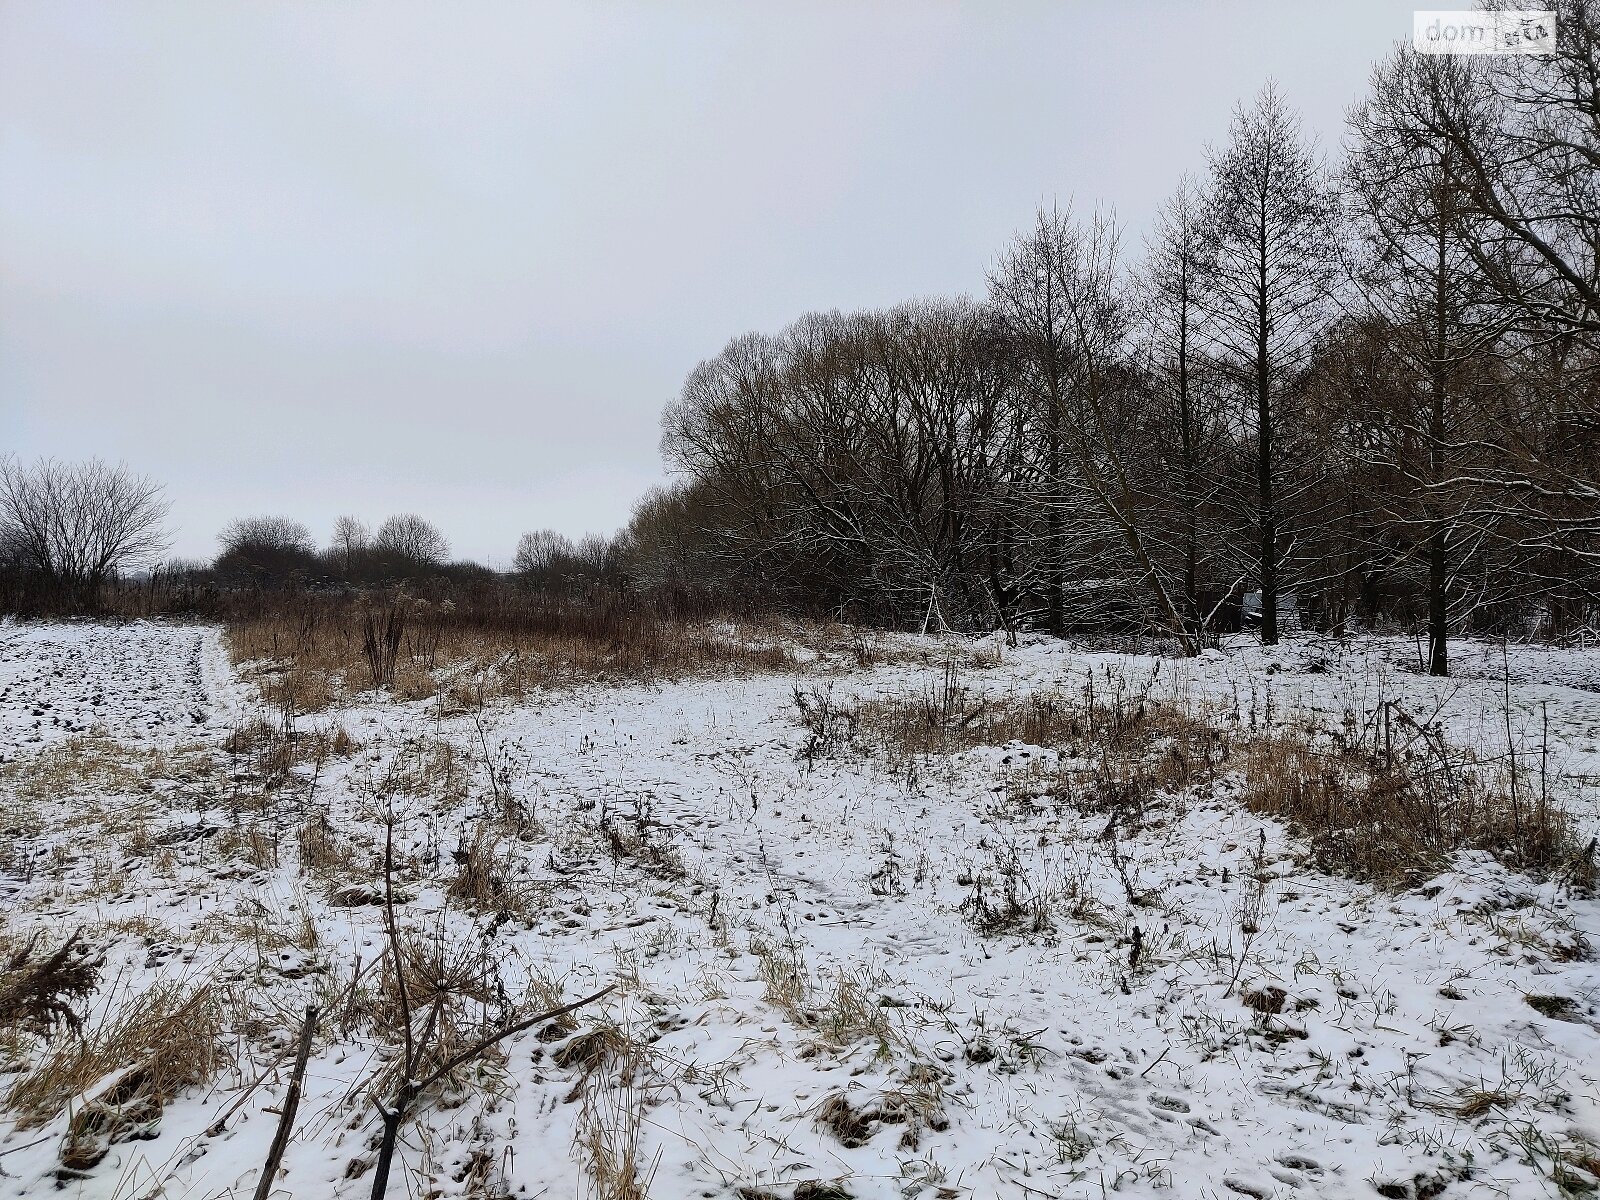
(1118,747)
(1387,817)
(1005,900)
(860,648)
(1268,1000)
(1394,819)
(40,989)
(605,1048)
(249,841)
(308,652)
(267,752)
(96,766)
(789,985)
(946,715)
(609,1133)
(484,876)
(323,850)
(642,844)
(853,1012)
(914,1104)
(139,1051)
(262,927)
(429,766)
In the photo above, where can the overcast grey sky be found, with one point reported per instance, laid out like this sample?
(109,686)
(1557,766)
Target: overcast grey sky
(453,257)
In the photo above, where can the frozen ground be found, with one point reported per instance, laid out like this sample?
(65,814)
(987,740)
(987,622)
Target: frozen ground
(802,998)
(144,681)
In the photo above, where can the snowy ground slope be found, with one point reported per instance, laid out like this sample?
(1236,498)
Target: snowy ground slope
(795,935)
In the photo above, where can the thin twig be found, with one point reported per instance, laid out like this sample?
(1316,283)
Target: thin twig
(479,1047)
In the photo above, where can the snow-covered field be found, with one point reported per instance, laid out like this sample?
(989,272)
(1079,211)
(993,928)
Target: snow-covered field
(803,1000)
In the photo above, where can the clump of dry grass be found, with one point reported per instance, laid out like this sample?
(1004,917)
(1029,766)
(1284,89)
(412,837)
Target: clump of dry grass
(483,876)
(831,726)
(851,1126)
(789,985)
(249,841)
(267,752)
(266,929)
(1004,899)
(1386,817)
(605,1048)
(642,843)
(427,766)
(150,1047)
(1111,722)
(853,1009)
(915,1104)
(1268,999)
(844,1009)
(609,1136)
(1393,819)
(322,848)
(947,716)
(96,765)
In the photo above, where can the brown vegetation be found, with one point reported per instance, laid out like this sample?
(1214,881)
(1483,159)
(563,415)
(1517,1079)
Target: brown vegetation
(1385,814)
(38,990)
(1394,818)
(162,1040)
(305,650)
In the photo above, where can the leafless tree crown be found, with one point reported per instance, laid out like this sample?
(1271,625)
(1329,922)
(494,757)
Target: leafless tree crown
(77,525)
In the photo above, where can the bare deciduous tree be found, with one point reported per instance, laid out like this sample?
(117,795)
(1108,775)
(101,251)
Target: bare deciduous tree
(1060,291)
(277,533)
(1422,284)
(265,550)
(1271,260)
(1519,142)
(350,537)
(411,539)
(1396,416)
(1182,420)
(77,525)
(539,551)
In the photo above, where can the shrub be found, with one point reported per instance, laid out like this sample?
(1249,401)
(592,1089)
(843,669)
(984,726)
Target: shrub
(38,990)
(1395,818)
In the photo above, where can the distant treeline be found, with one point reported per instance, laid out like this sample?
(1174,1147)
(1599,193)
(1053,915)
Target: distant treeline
(86,538)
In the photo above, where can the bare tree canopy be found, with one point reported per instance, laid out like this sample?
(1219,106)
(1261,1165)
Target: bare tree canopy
(409,538)
(77,525)
(1266,279)
(272,533)
(265,550)
(538,551)
(1333,396)
(350,537)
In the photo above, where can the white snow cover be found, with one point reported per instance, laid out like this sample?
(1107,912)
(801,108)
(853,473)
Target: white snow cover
(1051,1068)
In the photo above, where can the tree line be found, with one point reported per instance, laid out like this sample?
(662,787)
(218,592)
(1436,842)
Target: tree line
(1335,393)
(71,533)
(1344,394)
